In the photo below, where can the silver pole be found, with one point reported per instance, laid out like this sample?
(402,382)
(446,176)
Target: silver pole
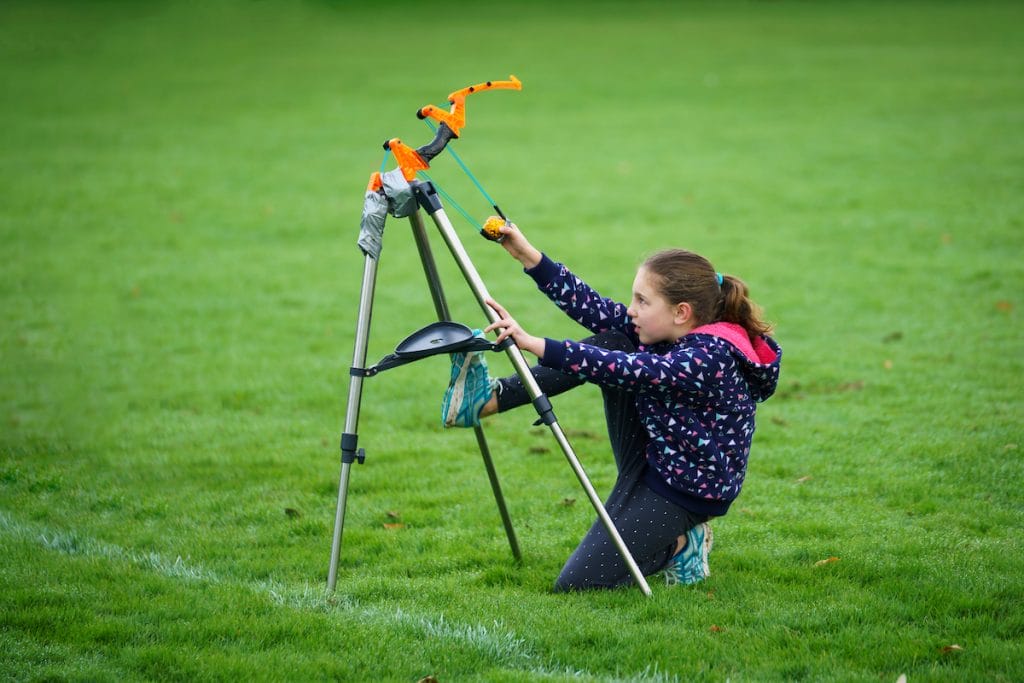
(441,308)
(523,370)
(419,233)
(355,392)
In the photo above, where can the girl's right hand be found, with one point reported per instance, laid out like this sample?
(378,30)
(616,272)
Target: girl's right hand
(516,244)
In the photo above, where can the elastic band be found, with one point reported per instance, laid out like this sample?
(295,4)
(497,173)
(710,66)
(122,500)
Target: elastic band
(718,276)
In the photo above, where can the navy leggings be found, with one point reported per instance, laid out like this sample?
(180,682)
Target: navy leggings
(649,523)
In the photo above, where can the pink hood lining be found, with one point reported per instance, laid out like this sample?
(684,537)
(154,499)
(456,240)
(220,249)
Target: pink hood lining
(758,352)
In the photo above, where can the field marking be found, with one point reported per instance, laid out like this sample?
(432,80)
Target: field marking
(496,642)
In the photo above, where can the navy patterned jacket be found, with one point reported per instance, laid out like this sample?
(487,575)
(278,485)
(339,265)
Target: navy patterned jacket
(696,397)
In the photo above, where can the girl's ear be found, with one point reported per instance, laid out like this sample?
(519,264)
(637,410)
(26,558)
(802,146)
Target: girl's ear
(684,314)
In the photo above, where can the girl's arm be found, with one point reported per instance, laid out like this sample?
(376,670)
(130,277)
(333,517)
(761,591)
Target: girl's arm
(686,370)
(510,328)
(571,294)
(518,247)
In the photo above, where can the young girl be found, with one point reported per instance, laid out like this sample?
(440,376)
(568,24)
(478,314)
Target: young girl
(681,369)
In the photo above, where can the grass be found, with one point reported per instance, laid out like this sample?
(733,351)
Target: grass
(180,187)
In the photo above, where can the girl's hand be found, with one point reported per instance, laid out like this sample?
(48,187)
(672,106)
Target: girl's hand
(510,328)
(516,244)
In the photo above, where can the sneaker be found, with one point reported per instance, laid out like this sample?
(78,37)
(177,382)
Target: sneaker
(690,565)
(468,390)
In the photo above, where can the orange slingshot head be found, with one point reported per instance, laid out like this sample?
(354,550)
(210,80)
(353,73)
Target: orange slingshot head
(407,158)
(451,122)
(455,118)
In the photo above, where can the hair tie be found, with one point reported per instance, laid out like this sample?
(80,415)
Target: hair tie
(718,276)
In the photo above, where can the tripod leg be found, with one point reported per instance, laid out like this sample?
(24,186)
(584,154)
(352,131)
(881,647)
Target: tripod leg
(349,438)
(522,368)
(441,306)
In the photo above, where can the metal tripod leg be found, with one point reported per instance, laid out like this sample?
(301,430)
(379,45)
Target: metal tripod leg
(430,202)
(441,306)
(349,439)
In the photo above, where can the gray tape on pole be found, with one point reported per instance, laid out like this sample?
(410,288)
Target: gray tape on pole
(371,226)
(401,201)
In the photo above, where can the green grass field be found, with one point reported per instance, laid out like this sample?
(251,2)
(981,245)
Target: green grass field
(180,190)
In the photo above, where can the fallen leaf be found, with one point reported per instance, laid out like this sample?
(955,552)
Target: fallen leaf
(779,421)
(539,450)
(951,648)
(393,527)
(716,629)
(828,560)
(292,512)
(892,337)
(568,502)
(887,364)
(1010,447)
(946,238)
(427,679)
(1004,306)
(393,515)
(803,479)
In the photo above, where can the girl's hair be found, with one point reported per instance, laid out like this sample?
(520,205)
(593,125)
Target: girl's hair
(688,277)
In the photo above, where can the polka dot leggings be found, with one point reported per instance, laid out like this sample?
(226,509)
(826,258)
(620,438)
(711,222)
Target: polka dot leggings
(649,524)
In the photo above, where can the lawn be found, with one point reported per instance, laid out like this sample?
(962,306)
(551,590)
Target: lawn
(180,192)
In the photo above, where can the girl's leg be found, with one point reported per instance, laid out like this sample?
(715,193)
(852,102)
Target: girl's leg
(650,526)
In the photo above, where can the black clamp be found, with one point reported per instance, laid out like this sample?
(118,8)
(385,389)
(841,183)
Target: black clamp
(349,452)
(546,411)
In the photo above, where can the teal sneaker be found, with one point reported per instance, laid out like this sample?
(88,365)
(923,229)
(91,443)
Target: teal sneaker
(690,565)
(468,390)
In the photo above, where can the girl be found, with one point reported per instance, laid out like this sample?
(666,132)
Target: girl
(680,369)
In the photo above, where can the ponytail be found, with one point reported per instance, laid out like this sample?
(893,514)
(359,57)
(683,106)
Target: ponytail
(686,276)
(736,307)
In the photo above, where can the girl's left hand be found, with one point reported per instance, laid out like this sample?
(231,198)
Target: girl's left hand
(510,328)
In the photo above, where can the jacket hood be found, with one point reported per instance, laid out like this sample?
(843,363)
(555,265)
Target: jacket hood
(759,359)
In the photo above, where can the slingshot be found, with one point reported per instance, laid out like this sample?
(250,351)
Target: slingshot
(399,193)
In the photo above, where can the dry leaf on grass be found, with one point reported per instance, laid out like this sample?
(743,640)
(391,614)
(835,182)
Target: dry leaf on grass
(951,648)
(827,560)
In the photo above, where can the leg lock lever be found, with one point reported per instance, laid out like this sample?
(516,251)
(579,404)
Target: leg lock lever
(349,452)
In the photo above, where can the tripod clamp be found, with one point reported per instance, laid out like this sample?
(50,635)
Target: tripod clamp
(434,339)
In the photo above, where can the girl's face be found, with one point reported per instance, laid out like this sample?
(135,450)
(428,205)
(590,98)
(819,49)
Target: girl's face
(656,320)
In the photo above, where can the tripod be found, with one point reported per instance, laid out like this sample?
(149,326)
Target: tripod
(445,339)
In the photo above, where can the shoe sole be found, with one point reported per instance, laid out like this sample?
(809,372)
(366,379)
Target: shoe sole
(458,393)
(709,539)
